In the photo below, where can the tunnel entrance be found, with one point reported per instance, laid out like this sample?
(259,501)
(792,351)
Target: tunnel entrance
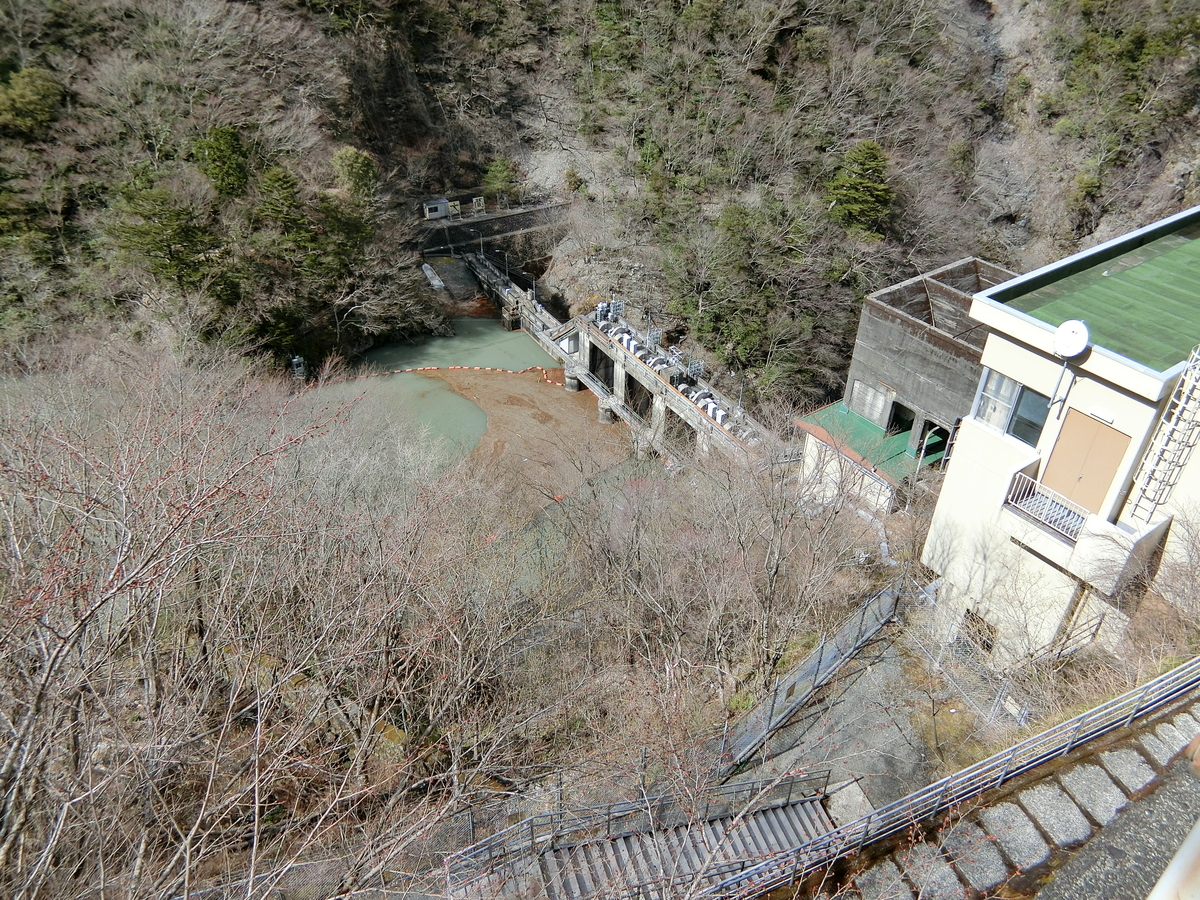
(638,397)
(677,434)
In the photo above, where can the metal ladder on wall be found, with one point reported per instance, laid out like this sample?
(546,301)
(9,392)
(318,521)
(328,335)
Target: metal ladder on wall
(1176,435)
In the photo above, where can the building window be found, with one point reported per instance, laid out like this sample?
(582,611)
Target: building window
(979,631)
(1009,406)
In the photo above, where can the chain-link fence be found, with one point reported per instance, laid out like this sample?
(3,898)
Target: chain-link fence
(796,688)
(962,664)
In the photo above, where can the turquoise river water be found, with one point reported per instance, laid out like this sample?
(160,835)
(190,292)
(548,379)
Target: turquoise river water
(428,404)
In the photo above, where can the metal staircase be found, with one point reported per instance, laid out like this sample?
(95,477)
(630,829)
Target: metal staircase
(1176,435)
(649,849)
(651,864)
(699,853)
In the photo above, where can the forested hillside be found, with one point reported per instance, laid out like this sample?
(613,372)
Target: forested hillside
(193,164)
(240,629)
(787,158)
(245,171)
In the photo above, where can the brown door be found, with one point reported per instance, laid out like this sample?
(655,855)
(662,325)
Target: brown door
(1085,459)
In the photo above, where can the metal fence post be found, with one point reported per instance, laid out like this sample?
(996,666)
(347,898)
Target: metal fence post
(1138,705)
(1004,773)
(866,831)
(998,704)
(941,801)
(1075,734)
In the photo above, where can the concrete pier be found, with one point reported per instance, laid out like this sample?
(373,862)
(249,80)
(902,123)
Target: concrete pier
(639,382)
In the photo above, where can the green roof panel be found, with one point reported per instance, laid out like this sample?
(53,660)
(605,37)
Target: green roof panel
(885,451)
(1143,304)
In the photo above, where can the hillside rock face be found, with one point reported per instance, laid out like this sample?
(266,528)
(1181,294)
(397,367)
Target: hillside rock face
(250,171)
(702,146)
(1026,173)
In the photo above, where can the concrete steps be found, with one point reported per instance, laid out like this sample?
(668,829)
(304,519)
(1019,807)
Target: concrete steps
(1021,835)
(646,864)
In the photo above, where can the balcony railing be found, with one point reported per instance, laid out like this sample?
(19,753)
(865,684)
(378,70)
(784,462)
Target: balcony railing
(1048,507)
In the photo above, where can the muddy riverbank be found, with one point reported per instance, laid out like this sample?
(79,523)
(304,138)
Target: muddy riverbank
(547,439)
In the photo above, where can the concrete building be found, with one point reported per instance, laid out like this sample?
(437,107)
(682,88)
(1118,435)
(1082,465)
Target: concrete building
(916,355)
(1064,481)
(912,377)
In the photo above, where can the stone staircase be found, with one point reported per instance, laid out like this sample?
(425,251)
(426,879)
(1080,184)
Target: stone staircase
(1013,841)
(694,853)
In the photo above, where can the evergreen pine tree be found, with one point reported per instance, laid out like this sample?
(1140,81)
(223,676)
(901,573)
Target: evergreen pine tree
(859,195)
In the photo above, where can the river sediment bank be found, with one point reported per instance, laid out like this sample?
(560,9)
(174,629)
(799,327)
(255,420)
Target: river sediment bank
(546,438)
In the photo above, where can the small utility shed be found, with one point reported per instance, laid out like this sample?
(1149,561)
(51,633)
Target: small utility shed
(916,357)
(912,377)
(436,209)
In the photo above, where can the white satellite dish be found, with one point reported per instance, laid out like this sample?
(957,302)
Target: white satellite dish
(1070,339)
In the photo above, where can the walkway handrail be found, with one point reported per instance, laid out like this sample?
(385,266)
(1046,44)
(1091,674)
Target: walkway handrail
(972,782)
(595,385)
(1047,506)
(813,672)
(743,418)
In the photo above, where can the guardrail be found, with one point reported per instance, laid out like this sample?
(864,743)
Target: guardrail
(739,418)
(1046,506)
(595,385)
(925,804)
(535,833)
(797,687)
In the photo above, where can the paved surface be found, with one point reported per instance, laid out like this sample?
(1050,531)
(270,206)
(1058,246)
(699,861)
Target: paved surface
(466,231)
(974,857)
(860,728)
(1128,856)
(1056,815)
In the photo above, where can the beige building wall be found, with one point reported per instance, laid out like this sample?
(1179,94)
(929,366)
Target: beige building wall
(1077,388)
(1032,585)
(982,569)
(831,477)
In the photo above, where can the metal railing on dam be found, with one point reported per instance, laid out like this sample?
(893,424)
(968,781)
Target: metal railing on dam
(695,402)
